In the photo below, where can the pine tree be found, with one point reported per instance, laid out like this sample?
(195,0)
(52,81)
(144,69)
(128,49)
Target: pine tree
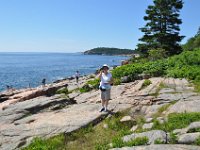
(162,27)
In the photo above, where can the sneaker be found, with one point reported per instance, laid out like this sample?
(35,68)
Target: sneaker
(102,109)
(105,110)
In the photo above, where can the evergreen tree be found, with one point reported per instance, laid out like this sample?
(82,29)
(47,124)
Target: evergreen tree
(162,27)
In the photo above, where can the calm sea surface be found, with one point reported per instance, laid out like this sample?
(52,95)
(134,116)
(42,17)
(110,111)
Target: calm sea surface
(21,69)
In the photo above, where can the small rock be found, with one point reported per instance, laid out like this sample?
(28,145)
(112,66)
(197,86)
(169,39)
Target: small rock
(193,125)
(126,118)
(160,120)
(148,120)
(188,138)
(110,145)
(147,126)
(179,131)
(134,128)
(125,79)
(105,126)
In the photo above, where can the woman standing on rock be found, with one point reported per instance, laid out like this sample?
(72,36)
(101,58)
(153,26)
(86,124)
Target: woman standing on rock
(105,86)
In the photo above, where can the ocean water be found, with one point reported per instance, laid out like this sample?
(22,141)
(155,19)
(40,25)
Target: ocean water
(20,70)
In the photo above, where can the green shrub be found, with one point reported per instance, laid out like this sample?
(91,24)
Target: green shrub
(146,83)
(94,83)
(116,81)
(62,91)
(85,88)
(197,85)
(155,54)
(90,85)
(185,65)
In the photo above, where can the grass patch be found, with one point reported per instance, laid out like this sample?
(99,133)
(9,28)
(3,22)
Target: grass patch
(161,110)
(116,125)
(160,87)
(91,137)
(197,142)
(56,142)
(118,142)
(140,120)
(173,138)
(137,141)
(146,83)
(159,141)
(177,121)
(197,86)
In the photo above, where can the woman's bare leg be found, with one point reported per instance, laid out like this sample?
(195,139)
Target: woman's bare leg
(106,104)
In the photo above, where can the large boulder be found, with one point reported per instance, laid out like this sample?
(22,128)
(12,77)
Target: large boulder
(188,138)
(192,127)
(185,106)
(151,135)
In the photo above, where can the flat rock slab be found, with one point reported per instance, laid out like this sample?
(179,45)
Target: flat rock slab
(161,147)
(47,124)
(185,106)
(188,138)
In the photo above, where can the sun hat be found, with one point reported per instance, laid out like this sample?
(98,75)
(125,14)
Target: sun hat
(105,65)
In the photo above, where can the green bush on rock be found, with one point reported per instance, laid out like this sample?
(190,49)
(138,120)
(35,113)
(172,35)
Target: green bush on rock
(185,65)
(62,91)
(146,83)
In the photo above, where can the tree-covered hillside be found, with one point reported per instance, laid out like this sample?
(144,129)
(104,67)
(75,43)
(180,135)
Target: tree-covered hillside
(109,51)
(193,42)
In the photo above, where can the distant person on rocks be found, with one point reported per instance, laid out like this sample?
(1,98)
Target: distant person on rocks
(105,86)
(77,75)
(43,82)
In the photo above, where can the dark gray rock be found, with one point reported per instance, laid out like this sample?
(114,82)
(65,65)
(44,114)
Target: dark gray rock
(125,79)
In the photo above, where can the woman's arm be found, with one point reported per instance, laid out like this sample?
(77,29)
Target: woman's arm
(99,75)
(111,80)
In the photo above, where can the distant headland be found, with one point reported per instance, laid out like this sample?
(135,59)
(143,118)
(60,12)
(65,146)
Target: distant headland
(109,51)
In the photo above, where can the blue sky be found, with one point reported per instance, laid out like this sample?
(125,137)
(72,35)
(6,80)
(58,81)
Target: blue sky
(78,25)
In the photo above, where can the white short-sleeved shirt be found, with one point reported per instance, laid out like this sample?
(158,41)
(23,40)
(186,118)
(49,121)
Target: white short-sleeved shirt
(106,78)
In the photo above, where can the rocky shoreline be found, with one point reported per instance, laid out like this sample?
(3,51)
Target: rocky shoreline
(34,113)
